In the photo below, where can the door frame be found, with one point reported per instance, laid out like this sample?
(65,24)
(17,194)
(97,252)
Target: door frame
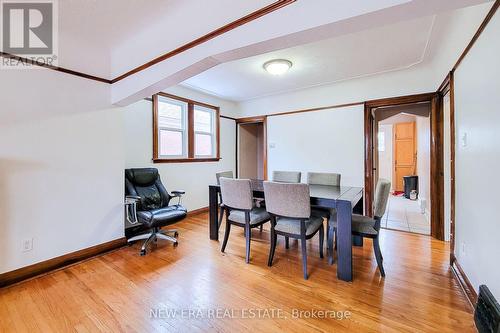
(436,152)
(448,87)
(253,120)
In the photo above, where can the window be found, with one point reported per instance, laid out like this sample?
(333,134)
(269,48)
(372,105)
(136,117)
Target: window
(184,130)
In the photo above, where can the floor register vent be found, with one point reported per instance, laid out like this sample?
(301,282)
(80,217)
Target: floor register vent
(487,314)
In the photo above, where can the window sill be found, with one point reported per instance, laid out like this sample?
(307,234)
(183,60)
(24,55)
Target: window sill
(186,160)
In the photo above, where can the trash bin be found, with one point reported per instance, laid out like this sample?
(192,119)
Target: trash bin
(410,183)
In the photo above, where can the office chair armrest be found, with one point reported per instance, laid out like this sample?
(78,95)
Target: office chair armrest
(177,194)
(132,198)
(131,202)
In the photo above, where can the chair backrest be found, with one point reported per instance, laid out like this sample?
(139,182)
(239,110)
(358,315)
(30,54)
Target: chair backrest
(236,193)
(323,178)
(225,174)
(146,183)
(287,176)
(381,197)
(287,199)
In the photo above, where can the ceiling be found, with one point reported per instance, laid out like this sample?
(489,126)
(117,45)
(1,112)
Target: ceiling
(367,52)
(377,50)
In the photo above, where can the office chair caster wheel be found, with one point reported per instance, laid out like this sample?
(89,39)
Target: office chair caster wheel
(176,244)
(176,234)
(143,253)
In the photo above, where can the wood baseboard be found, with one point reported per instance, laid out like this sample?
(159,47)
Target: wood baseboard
(198,211)
(463,281)
(46,266)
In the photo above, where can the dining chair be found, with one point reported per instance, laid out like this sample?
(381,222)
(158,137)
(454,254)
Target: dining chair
(240,209)
(218,176)
(328,179)
(290,210)
(287,176)
(369,227)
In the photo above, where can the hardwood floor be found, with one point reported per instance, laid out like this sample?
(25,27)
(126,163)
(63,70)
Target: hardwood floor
(121,291)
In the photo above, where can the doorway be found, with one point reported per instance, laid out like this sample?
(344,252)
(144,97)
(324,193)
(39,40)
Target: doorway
(251,153)
(403,155)
(434,118)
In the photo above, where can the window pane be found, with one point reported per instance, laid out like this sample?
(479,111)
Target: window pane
(203,119)
(170,113)
(203,145)
(171,143)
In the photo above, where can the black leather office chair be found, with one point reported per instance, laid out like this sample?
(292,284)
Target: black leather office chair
(148,203)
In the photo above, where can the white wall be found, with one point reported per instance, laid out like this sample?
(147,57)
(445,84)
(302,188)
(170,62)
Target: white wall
(194,178)
(61,166)
(385,157)
(322,141)
(477,115)
(423,125)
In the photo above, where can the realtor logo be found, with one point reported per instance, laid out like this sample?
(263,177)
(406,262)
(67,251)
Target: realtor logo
(29,31)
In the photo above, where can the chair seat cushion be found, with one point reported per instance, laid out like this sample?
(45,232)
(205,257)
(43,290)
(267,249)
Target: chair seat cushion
(361,225)
(292,226)
(257,215)
(162,216)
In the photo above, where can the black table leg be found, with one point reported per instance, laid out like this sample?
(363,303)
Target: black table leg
(344,240)
(213,212)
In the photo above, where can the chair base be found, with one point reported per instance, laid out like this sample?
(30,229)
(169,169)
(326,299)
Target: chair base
(153,237)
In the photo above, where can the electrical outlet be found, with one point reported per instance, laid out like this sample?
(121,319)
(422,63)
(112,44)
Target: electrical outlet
(27,244)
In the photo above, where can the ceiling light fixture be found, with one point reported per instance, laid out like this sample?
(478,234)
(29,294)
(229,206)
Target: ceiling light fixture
(277,66)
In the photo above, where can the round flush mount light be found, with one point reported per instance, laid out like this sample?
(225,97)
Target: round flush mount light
(277,66)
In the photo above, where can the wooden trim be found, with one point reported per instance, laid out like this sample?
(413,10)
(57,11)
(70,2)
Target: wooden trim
(448,87)
(369,146)
(227,117)
(186,160)
(222,30)
(187,100)
(464,282)
(46,266)
(437,173)
(264,123)
(217,130)
(249,120)
(190,130)
(312,109)
(409,99)
(55,68)
(452,166)
(155,127)
(198,211)
(478,33)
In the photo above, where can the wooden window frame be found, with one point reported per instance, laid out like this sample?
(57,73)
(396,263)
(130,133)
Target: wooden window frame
(190,131)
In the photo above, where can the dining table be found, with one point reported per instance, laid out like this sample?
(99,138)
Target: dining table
(342,201)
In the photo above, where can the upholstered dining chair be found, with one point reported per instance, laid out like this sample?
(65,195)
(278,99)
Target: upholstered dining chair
(329,179)
(240,209)
(218,176)
(287,176)
(369,227)
(323,178)
(290,210)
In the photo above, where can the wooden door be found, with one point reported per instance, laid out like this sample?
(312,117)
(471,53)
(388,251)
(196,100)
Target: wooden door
(405,153)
